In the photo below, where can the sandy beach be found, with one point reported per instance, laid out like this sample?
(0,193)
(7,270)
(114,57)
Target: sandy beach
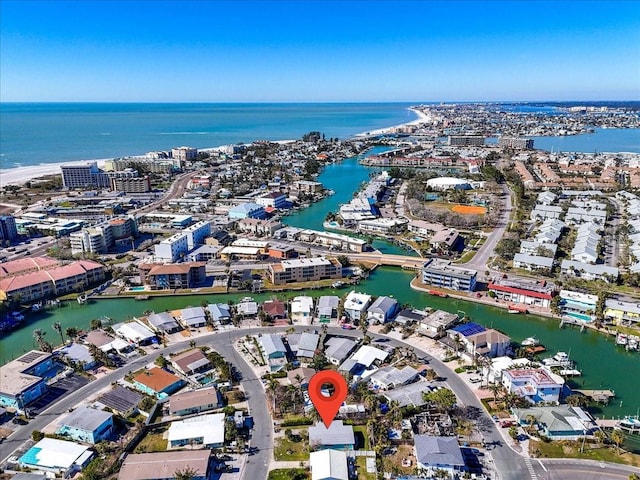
(19,175)
(422,118)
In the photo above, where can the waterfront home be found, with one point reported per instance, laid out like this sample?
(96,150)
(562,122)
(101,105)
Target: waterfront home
(337,349)
(577,304)
(489,343)
(275,309)
(79,355)
(193,317)
(303,345)
(447,241)
(106,342)
(356,304)
(338,436)
(23,380)
(87,425)
(386,378)
(273,200)
(539,294)
(58,457)
(559,422)
(382,310)
(220,312)
(301,309)
(274,351)
(135,332)
(534,263)
(572,268)
(534,384)
(329,464)
(247,210)
(622,311)
(204,430)
(435,324)
(327,308)
(438,453)
(493,371)
(442,273)
(172,276)
(120,400)
(191,362)
(164,465)
(157,382)
(187,403)
(304,270)
(163,322)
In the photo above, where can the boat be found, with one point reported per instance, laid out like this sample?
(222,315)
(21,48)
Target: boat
(36,307)
(560,359)
(632,342)
(337,284)
(621,339)
(246,299)
(629,424)
(82,298)
(530,342)
(17,316)
(511,308)
(438,293)
(141,297)
(569,372)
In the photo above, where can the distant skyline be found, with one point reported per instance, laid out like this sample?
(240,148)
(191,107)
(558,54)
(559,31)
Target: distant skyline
(318,51)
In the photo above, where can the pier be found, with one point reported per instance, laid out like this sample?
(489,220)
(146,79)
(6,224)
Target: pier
(600,396)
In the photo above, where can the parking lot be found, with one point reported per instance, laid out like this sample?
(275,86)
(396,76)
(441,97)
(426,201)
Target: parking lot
(56,391)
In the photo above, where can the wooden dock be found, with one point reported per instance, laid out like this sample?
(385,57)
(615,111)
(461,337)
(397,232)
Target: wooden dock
(602,396)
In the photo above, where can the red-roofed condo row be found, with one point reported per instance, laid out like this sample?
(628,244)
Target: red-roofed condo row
(45,279)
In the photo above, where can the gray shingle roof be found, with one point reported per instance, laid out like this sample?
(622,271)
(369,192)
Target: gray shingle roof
(438,451)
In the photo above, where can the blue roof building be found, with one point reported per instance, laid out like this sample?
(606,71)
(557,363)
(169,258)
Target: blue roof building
(87,425)
(247,210)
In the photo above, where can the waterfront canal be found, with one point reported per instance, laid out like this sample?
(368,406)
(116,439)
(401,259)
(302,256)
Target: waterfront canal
(603,364)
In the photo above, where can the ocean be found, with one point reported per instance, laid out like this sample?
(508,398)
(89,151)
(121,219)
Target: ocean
(37,133)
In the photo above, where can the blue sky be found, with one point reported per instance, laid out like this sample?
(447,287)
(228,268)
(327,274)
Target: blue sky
(317,51)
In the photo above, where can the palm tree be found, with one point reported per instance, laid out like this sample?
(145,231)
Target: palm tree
(531,419)
(495,388)
(58,328)
(600,436)
(617,437)
(273,387)
(38,335)
(72,332)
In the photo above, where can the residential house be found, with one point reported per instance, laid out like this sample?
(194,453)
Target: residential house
(356,304)
(435,324)
(535,263)
(203,430)
(23,380)
(490,343)
(163,322)
(534,384)
(409,316)
(302,309)
(191,362)
(386,378)
(581,306)
(247,309)
(220,313)
(275,309)
(193,317)
(338,349)
(58,457)
(164,465)
(588,271)
(559,422)
(120,400)
(136,333)
(338,436)
(87,425)
(329,465)
(327,309)
(157,382)
(303,345)
(438,453)
(247,210)
(196,401)
(274,351)
(622,311)
(382,310)
(79,355)
(300,376)
(363,359)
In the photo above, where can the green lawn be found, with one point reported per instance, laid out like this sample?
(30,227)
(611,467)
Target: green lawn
(467,257)
(288,450)
(288,474)
(153,442)
(361,463)
(569,449)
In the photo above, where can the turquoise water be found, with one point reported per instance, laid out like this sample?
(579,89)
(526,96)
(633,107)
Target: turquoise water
(34,133)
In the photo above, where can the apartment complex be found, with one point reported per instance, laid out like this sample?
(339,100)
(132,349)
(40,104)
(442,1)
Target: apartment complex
(131,184)
(442,273)
(102,237)
(84,176)
(176,247)
(466,140)
(516,142)
(8,229)
(304,270)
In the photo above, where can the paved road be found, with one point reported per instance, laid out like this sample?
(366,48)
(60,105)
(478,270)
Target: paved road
(508,463)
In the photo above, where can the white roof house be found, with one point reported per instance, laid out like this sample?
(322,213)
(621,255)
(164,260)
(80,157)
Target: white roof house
(53,455)
(356,304)
(193,317)
(329,465)
(206,430)
(134,332)
(301,308)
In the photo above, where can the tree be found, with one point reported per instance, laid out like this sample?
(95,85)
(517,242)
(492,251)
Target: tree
(161,361)
(513,432)
(577,400)
(96,324)
(617,437)
(443,399)
(58,328)
(187,473)
(38,335)
(72,332)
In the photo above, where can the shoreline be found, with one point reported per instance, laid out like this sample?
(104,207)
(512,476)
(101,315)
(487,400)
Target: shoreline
(20,175)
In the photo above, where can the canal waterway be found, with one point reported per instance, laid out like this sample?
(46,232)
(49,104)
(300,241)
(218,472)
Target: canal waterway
(603,364)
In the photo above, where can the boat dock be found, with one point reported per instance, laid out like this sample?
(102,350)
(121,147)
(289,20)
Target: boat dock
(601,396)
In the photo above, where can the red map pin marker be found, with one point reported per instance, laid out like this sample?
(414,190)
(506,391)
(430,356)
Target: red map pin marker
(327,407)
